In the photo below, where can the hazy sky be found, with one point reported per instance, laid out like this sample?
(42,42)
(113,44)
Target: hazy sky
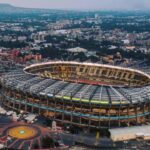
(82,4)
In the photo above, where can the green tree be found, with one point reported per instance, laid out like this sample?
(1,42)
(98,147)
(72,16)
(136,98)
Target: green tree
(36,146)
(48,142)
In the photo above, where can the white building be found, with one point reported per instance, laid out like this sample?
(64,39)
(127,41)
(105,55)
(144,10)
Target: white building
(77,50)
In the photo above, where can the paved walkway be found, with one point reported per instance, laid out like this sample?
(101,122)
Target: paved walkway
(23,143)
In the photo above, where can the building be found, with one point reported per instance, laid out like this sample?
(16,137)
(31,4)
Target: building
(77,50)
(82,94)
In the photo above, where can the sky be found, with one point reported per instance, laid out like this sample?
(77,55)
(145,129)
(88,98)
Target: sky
(83,4)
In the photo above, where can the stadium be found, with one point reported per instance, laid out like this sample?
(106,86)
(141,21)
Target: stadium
(82,94)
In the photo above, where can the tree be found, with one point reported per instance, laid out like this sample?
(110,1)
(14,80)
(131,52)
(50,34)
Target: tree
(36,146)
(48,142)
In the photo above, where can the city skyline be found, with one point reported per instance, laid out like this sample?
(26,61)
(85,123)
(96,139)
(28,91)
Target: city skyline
(82,4)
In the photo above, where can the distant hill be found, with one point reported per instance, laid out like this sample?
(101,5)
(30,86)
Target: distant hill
(3,5)
(7,8)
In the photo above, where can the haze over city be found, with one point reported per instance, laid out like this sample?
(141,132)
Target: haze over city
(83,4)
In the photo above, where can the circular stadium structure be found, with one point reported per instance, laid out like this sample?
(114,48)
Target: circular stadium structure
(82,94)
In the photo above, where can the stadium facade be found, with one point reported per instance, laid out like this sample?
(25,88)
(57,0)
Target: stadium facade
(83,94)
